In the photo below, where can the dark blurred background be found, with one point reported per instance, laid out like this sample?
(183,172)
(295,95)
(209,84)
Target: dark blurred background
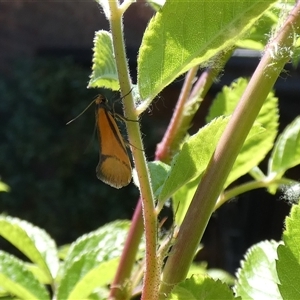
(45,63)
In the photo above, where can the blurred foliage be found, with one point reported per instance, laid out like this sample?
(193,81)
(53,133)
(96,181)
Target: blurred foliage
(50,167)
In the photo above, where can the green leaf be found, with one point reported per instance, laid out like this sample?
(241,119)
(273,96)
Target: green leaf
(197,269)
(182,199)
(201,269)
(63,251)
(108,240)
(201,287)
(260,143)
(259,34)
(85,274)
(288,269)
(156,4)
(184,34)
(222,275)
(158,174)
(288,263)
(33,242)
(104,65)
(257,278)
(99,276)
(38,273)
(286,152)
(257,173)
(4,187)
(193,157)
(92,255)
(99,294)
(255,143)
(17,280)
(4,295)
(296,53)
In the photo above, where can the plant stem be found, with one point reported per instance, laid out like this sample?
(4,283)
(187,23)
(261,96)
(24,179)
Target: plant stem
(205,81)
(249,186)
(151,278)
(187,105)
(128,255)
(277,53)
(136,229)
(164,149)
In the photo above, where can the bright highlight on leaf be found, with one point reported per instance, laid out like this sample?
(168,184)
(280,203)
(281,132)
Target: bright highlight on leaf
(257,278)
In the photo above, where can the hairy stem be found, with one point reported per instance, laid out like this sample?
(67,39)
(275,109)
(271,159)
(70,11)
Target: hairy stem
(151,278)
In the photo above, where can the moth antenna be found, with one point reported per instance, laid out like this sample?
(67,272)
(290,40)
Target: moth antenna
(81,113)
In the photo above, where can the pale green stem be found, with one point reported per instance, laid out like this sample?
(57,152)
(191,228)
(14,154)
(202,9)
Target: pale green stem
(249,186)
(151,278)
(124,5)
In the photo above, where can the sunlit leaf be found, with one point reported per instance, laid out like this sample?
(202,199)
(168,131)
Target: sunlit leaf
(257,277)
(104,65)
(18,281)
(34,242)
(201,287)
(286,152)
(184,34)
